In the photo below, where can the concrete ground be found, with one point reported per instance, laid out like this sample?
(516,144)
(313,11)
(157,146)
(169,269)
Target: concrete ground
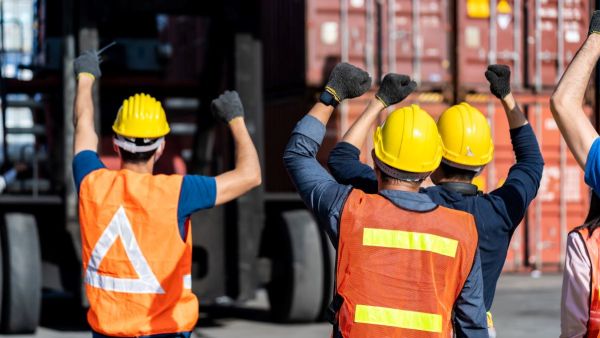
(523,307)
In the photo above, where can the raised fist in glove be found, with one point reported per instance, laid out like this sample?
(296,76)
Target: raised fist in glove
(499,78)
(347,81)
(395,88)
(227,106)
(87,63)
(595,23)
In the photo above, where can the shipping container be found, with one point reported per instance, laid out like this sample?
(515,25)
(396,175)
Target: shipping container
(406,36)
(488,32)
(444,43)
(416,41)
(338,31)
(556,30)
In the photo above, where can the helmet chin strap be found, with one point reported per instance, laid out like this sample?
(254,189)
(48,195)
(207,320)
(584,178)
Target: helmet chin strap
(131,147)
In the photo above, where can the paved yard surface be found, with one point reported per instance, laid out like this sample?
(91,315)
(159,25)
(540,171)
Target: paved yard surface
(524,307)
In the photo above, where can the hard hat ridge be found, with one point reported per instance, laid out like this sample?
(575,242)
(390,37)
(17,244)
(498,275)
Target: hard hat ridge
(141,116)
(408,142)
(467,138)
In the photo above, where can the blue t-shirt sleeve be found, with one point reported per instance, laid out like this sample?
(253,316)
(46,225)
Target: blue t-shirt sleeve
(197,193)
(84,163)
(592,166)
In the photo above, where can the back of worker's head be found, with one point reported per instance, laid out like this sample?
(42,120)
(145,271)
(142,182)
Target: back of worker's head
(140,128)
(407,147)
(467,143)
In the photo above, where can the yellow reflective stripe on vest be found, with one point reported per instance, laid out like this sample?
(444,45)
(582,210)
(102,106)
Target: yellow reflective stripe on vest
(410,240)
(398,318)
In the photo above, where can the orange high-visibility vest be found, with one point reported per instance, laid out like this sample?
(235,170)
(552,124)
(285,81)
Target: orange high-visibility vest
(399,272)
(592,243)
(137,268)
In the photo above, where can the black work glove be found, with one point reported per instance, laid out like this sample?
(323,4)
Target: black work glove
(499,79)
(227,106)
(395,88)
(89,63)
(595,23)
(347,81)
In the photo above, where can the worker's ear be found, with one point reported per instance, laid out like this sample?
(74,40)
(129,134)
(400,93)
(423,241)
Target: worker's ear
(159,151)
(116,148)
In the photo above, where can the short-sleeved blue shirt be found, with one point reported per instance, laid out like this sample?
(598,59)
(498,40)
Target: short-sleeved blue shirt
(592,166)
(197,192)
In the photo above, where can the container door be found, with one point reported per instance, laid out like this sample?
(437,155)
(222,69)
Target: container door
(417,41)
(554,38)
(488,32)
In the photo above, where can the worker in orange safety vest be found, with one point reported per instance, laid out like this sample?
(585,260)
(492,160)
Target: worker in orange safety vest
(135,226)
(405,264)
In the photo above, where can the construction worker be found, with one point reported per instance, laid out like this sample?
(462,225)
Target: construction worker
(404,263)
(468,147)
(135,226)
(580,305)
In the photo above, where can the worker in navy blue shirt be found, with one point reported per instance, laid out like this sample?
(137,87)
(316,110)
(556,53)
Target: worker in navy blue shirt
(164,304)
(326,198)
(467,148)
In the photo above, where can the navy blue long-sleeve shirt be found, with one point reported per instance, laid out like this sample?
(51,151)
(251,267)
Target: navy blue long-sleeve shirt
(325,197)
(497,214)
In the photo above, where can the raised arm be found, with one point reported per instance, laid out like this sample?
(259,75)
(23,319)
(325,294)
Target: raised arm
(87,69)
(499,79)
(344,160)
(525,175)
(319,191)
(246,175)
(567,100)
(394,88)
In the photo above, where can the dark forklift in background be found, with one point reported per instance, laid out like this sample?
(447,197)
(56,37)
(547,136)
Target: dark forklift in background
(184,53)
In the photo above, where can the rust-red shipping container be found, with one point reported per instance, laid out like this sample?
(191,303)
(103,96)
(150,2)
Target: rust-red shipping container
(488,32)
(337,31)
(409,36)
(415,37)
(416,41)
(557,28)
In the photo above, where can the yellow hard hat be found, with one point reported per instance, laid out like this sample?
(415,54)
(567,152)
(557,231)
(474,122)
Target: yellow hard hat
(409,141)
(141,116)
(466,137)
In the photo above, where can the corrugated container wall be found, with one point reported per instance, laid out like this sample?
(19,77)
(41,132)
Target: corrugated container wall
(447,45)
(417,39)
(488,32)
(407,36)
(553,38)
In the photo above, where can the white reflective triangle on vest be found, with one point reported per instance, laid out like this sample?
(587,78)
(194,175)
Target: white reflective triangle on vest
(120,227)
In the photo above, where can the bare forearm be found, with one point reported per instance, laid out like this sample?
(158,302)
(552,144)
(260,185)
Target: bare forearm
(85,137)
(246,157)
(321,112)
(567,101)
(359,131)
(84,104)
(246,174)
(515,116)
(571,88)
